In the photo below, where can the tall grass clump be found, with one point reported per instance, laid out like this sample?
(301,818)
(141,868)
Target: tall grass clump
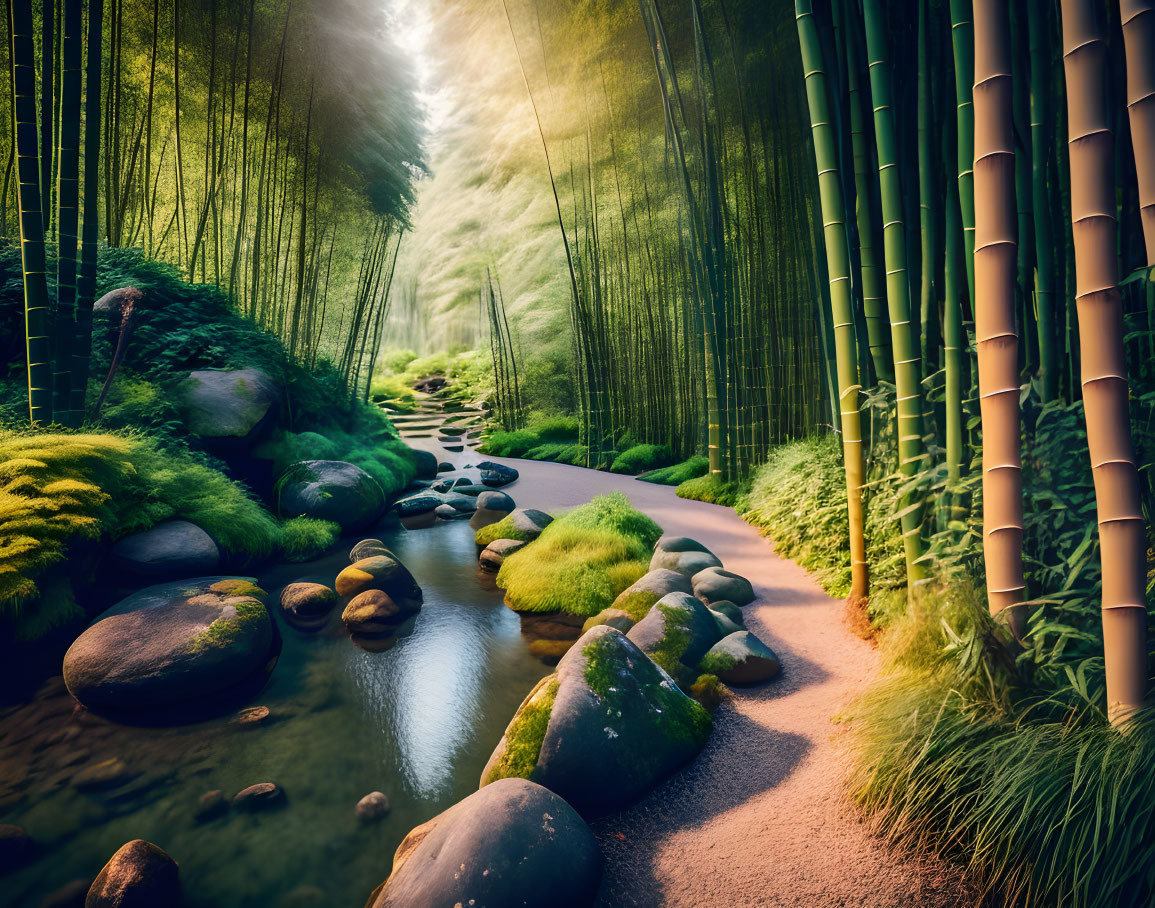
(675,475)
(581,561)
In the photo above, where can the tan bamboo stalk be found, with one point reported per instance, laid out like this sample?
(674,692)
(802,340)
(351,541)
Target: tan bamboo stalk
(1138,18)
(996,264)
(1122,537)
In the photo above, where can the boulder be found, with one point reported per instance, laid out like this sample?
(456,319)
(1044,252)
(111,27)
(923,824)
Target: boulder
(676,633)
(372,807)
(172,643)
(726,625)
(491,507)
(741,658)
(494,554)
(614,617)
(372,613)
(425,462)
(608,725)
(715,584)
(445,467)
(638,598)
(496,474)
(471,489)
(330,490)
(686,563)
(463,504)
(680,544)
(139,875)
(730,610)
(367,548)
(381,572)
(448,512)
(16,846)
(421,502)
(168,551)
(511,843)
(261,796)
(307,605)
(229,408)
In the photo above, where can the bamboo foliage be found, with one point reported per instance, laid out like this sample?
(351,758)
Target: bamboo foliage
(838,264)
(1122,536)
(995,264)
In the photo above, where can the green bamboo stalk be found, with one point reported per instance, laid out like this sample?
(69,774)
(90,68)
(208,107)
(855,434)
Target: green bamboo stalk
(37,314)
(963,42)
(907,371)
(838,265)
(1037,23)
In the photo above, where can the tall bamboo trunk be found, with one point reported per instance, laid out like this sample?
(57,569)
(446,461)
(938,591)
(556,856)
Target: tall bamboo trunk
(838,265)
(86,282)
(47,106)
(1041,116)
(996,268)
(1139,40)
(68,211)
(962,39)
(37,315)
(907,365)
(1122,537)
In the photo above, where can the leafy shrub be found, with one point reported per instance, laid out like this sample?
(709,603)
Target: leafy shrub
(675,475)
(715,491)
(304,538)
(510,444)
(640,458)
(581,561)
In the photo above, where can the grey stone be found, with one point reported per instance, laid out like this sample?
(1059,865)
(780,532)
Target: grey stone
(330,490)
(168,551)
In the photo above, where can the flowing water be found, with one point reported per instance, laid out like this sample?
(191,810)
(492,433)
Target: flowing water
(416,721)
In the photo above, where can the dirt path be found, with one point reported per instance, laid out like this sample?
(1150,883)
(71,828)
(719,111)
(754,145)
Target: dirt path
(761,817)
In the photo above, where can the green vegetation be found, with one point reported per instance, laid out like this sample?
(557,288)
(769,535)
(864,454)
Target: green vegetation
(636,604)
(503,529)
(303,538)
(525,733)
(675,475)
(670,649)
(715,490)
(641,458)
(710,692)
(581,561)
(227,628)
(717,663)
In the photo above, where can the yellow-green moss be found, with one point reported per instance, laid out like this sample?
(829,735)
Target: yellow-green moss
(226,629)
(525,733)
(717,663)
(710,691)
(636,604)
(503,529)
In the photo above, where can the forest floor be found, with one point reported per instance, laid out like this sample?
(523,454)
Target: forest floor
(762,816)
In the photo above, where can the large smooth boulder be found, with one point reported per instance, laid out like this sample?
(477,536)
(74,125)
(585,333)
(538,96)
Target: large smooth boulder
(529,521)
(679,544)
(330,490)
(676,633)
(139,875)
(425,462)
(422,502)
(491,507)
(172,643)
(607,726)
(373,613)
(168,551)
(638,598)
(496,474)
(511,843)
(687,563)
(381,572)
(614,617)
(741,658)
(307,605)
(229,407)
(494,554)
(715,584)
(367,548)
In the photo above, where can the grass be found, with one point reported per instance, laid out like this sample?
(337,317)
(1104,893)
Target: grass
(304,538)
(675,475)
(716,491)
(582,561)
(641,458)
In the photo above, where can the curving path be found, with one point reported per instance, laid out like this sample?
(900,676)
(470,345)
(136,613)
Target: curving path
(761,818)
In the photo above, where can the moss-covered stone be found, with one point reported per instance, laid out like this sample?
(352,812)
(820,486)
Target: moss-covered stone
(235,618)
(676,633)
(521,744)
(741,658)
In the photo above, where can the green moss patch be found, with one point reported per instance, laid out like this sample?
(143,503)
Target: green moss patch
(525,733)
(678,473)
(503,529)
(227,628)
(636,604)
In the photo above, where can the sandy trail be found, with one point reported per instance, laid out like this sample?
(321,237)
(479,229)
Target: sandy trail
(761,817)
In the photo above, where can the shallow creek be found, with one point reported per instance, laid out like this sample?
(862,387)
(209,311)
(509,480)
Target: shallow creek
(416,720)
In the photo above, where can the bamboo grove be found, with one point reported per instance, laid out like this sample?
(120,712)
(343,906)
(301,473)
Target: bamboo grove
(681,190)
(945,164)
(268,149)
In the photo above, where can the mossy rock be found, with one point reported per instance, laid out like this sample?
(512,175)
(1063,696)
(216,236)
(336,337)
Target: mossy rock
(725,623)
(741,658)
(686,563)
(228,408)
(425,462)
(171,644)
(511,843)
(639,597)
(524,524)
(608,726)
(676,633)
(730,610)
(330,490)
(613,617)
(714,584)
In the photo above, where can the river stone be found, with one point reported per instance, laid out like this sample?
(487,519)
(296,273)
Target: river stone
(614,617)
(307,604)
(367,548)
(171,643)
(381,572)
(372,807)
(513,843)
(425,462)
(676,633)
(448,512)
(496,474)
(71,895)
(686,563)
(617,724)
(463,504)
(638,598)
(261,796)
(210,805)
(680,544)
(230,405)
(168,551)
(726,625)
(741,658)
(139,875)
(496,552)
(714,583)
(730,610)
(529,522)
(491,507)
(330,490)
(445,467)
(16,846)
(421,502)
(373,613)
